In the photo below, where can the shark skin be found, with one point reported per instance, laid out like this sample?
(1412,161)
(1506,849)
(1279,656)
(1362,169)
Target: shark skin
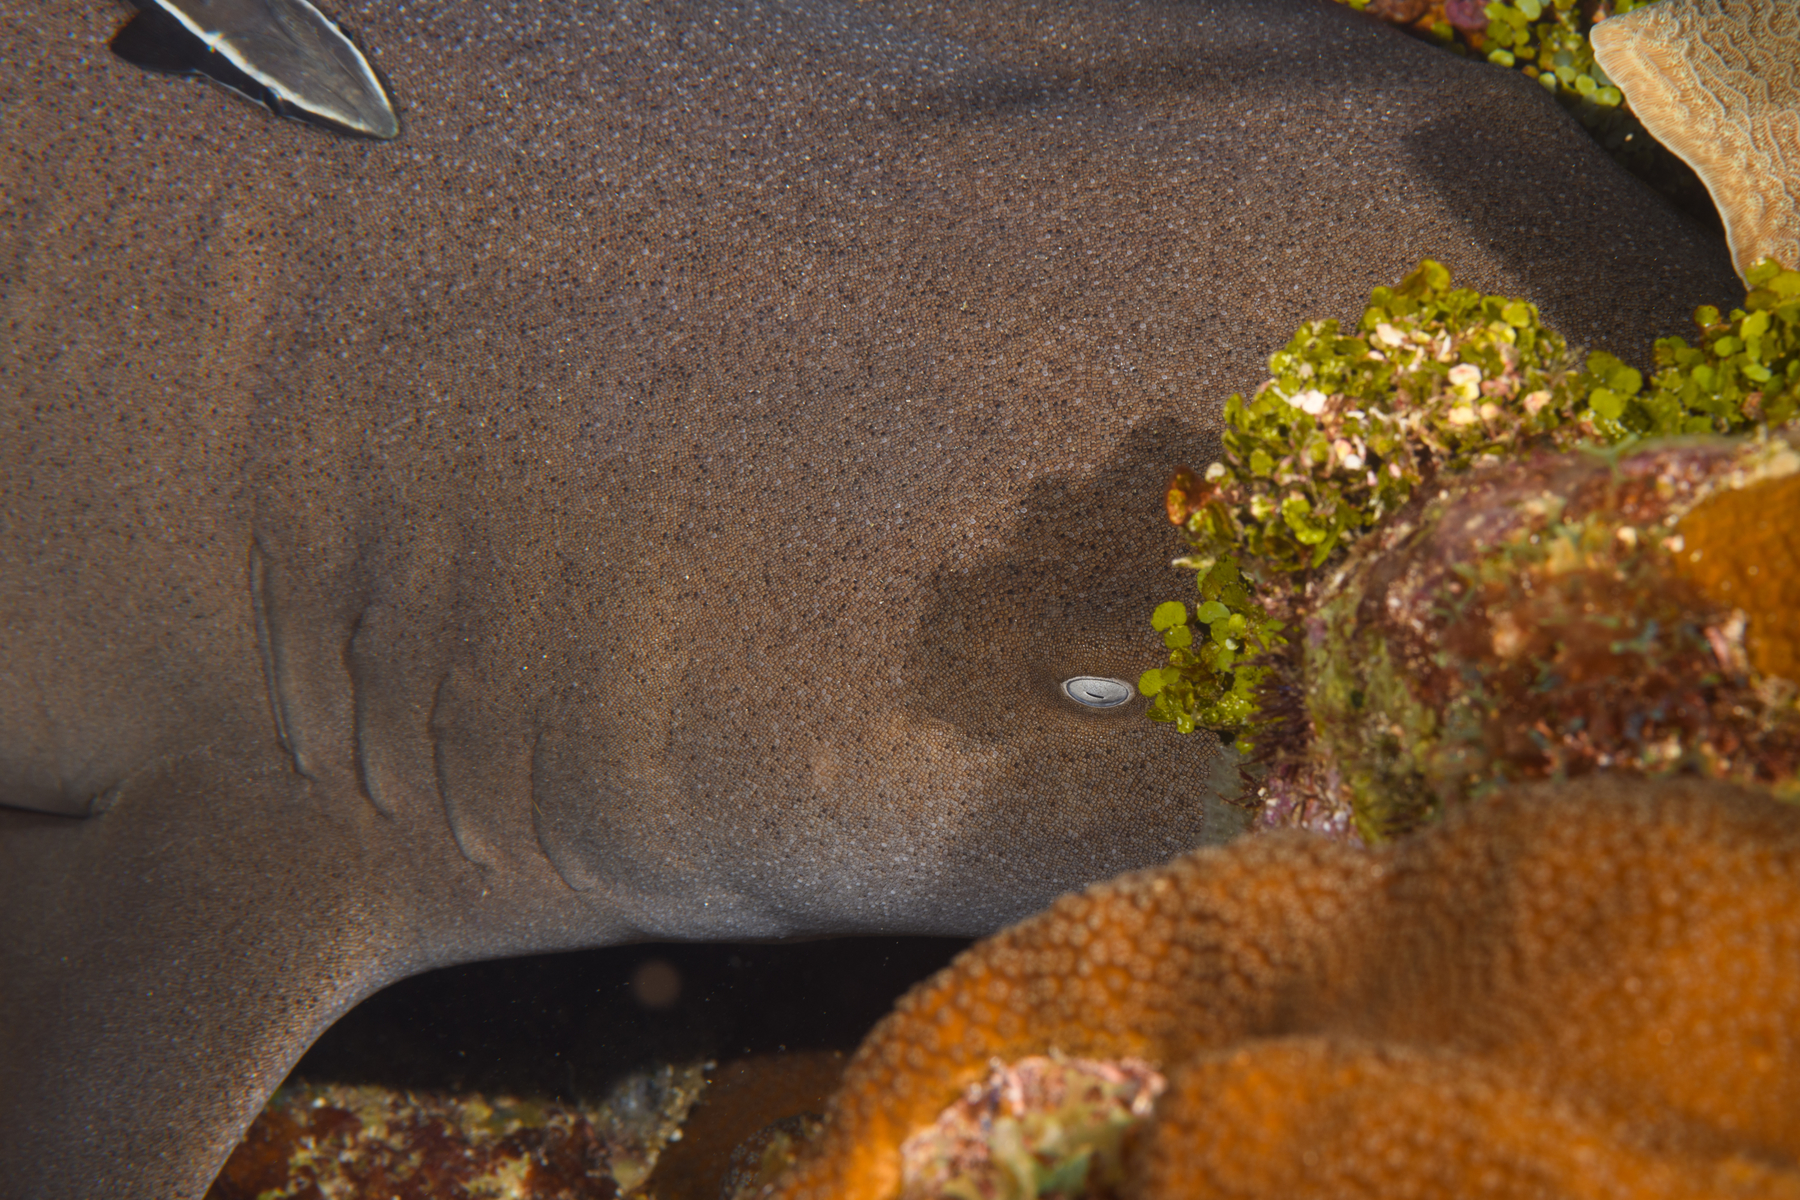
(661,494)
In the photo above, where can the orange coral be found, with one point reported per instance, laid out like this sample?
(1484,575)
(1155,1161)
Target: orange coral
(1743,549)
(1356,1118)
(1585,989)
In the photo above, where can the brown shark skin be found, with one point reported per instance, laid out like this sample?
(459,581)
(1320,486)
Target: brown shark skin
(656,497)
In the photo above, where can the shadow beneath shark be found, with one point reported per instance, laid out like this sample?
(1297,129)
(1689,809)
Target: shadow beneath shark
(566,1027)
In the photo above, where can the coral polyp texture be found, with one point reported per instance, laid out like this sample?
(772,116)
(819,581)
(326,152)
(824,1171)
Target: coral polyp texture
(1584,989)
(1718,82)
(1441,554)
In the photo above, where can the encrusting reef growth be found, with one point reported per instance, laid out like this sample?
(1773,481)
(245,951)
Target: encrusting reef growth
(344,1140)
(1439,556)
(1584,989)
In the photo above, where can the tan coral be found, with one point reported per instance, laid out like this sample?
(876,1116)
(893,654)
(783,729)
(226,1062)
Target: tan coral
(1718,82)
(1612,957)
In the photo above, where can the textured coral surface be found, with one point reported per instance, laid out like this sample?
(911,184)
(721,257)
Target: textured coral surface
(1718,83)
(1581,989)
(1335,1117)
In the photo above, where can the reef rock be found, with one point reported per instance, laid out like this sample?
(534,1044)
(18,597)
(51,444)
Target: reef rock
(1546,617)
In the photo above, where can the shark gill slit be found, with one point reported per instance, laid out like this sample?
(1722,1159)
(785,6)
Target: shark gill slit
(265,644)
(539,816)
(440,770)
(368,779)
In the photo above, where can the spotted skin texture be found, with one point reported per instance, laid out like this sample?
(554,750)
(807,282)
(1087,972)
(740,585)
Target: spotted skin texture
(658,495)
(1608,958)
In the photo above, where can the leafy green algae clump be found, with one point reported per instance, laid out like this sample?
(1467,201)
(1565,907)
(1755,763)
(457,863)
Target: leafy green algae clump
(1364,433)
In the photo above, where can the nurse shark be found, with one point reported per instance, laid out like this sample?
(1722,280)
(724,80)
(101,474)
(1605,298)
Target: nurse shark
(663,494)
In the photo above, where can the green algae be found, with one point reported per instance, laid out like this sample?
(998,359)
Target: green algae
(1356,427)
(1547,42)
(1211,683)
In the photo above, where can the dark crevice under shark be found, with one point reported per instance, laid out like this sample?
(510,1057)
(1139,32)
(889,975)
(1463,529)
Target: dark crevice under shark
(660,495)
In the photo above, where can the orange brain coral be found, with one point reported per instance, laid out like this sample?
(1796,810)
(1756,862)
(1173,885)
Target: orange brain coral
(1592,989)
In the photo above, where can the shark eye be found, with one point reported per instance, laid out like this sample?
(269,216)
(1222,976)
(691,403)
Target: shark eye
(1097,691)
